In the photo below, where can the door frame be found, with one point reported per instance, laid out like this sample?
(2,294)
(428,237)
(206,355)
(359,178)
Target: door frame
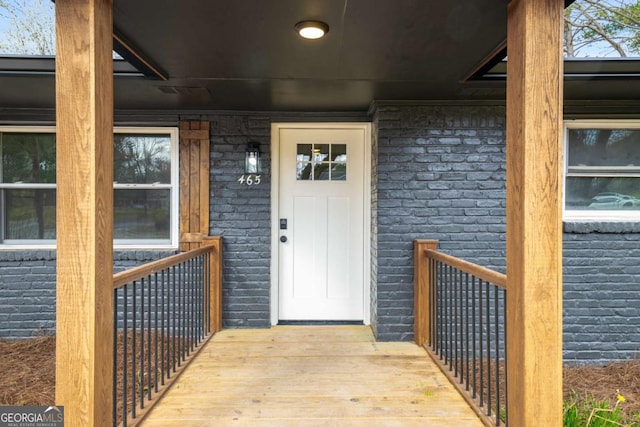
(275,210)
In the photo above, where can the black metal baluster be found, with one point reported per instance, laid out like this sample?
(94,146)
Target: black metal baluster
(163,317)
(451,319)
(481,339)
(466,316)
(207,290)
(125,354)
(454,323)
(445,314)
(461,324)
(188,285)
(115,359)
(440,311)
(488,314)
(201,298)
(183,306)
(433,306)
(148,371)
(473,334)
(134,349)
(179,315)
(194,283)
(141,374)
(155,330)
(497,331)
(173,289)
(450,315)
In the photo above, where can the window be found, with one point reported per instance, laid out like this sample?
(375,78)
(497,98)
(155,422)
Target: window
(145,187)
(602,172)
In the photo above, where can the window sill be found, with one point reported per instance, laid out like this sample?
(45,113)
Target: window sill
(584,226)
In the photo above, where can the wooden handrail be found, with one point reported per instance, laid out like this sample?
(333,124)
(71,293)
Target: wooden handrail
(480,272)
(203,306)
(128,276)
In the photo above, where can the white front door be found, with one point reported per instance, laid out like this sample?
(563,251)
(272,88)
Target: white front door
(321,223)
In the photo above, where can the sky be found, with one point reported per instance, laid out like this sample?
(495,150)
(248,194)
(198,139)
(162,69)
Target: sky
(44,10)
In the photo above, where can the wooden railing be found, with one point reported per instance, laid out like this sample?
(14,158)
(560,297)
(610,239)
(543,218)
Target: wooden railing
(164,312)
(460,319)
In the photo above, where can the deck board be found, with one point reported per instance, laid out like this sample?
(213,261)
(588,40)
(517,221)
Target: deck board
(311,376)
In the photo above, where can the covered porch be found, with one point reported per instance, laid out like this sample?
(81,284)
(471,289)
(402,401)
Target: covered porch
(85,302)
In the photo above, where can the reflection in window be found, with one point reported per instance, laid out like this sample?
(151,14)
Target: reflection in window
(142,159)
(321,162)
(30,214)
(603,169)
(142,214)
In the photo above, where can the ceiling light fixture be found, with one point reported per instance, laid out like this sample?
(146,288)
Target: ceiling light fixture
(311,29)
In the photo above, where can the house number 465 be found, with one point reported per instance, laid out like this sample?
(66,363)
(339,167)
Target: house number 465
(249,179)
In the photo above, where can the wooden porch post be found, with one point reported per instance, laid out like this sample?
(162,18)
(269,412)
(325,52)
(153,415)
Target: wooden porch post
(215,282)
(84,116)
(534,213)
(422,291)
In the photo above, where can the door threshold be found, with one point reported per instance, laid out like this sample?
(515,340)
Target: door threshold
(319,322)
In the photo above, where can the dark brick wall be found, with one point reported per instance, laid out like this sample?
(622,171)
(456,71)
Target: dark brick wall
(601,296)
(28,288)
(242,215)
(438,172)
(441,175)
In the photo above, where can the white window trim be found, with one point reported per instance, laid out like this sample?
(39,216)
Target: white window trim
(119,244)
(575,215)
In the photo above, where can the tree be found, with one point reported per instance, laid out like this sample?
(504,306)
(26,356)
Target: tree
(29,27)
(602,28)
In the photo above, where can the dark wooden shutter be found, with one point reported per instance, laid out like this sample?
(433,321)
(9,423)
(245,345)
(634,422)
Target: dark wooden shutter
(194,183)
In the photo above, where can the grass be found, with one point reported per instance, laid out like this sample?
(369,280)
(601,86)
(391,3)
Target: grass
(589,412)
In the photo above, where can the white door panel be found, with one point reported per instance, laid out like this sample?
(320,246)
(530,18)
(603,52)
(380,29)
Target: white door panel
(321,196)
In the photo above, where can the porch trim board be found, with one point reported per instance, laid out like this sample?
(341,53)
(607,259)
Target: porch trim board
(275,209)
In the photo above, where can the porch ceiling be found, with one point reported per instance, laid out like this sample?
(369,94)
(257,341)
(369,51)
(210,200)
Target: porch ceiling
(245,55)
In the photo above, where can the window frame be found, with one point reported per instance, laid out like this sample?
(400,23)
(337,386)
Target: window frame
(118,244)
(583,215)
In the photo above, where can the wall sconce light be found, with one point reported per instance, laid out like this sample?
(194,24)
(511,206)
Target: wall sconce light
(252,158)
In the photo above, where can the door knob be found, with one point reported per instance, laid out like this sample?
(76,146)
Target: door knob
(283,239)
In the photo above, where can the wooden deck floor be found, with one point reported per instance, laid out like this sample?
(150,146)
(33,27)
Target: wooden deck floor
(311,376)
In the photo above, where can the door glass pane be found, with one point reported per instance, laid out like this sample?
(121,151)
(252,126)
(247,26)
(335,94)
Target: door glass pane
(338,152)
(142,214)
(28,157)
(142,159)
(304,152)
(339,172)
(303,171)
(320,152)
(29,214)
(321,172)
(603,193)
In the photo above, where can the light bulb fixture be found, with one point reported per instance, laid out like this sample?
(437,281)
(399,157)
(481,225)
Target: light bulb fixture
(252,158)
(312,29)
